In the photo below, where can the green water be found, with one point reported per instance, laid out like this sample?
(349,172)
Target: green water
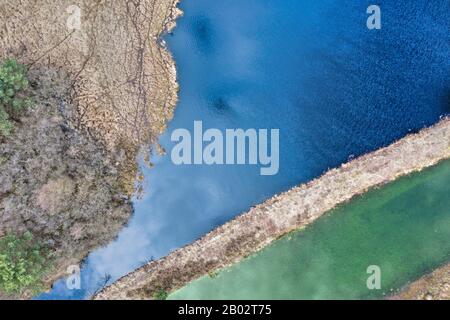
(403,227)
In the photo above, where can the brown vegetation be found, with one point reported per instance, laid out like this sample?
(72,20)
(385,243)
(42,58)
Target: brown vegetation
(104,88)
(121,80)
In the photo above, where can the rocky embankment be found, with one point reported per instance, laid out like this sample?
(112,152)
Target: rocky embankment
(433,286)
(284,213)
(104,87)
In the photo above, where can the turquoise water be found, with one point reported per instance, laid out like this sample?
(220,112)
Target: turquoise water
(404,228)
(309,68)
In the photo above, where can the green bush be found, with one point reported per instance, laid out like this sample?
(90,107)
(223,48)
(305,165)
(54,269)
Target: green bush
(13,93)
(160,295)
(23,263)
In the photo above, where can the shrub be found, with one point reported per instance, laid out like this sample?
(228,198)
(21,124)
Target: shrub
(13,93)
(23,263)
(160,295)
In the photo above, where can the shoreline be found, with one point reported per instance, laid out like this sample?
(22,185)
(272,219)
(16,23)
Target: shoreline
(106,90)
(283,213)
(432,286)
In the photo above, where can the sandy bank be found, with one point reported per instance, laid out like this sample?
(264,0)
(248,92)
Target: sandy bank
(283,213)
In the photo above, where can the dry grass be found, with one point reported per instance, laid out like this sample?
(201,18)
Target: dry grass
(103,91)
(121,80)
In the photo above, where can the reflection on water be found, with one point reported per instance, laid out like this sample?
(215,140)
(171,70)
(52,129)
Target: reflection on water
(402,228)
(311,69)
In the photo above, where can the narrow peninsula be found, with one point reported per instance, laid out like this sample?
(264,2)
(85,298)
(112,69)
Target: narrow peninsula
(283,213)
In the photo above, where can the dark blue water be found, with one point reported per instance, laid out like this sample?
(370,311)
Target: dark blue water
(310,68)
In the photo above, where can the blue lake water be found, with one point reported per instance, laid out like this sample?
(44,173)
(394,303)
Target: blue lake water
(309,68)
